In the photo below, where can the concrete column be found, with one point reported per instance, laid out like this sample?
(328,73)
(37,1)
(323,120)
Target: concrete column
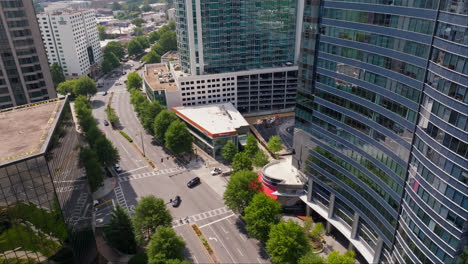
(328,227)
(309,190)
(351,247)
(308,211)
(355,225)
(331,205)
(378,251)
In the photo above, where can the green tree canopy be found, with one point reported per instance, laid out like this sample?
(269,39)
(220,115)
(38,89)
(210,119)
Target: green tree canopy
(172,25)
(336,258)
(287,242)
(112,59)
(67,87)
(139,258)
(111,115)
(153,36)
(274,144)
(229,151)
(89,161)
(116,48)
(116,6)
(312,258)
(261,213)
(251,147)
(144,42)
(106,66)
(260,159)
(134,47)
(119,231)
(138,31)
(134,81)
(164,245)
(162,122)
(158,49)
(168,41)
(177,138)
(146,8)
(101,31)
(150,213)
(241,189)
(152,57)
(107,154)
(138,21)
(85,86)
(57,73)
(92,134)
(136,97)
(241,162)
(148,115)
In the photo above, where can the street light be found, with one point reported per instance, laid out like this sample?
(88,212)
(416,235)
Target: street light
(142,144)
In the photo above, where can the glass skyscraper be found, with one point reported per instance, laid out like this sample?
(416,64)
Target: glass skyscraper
(381,125)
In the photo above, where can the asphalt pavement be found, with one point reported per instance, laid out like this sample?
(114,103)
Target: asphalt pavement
(201,205)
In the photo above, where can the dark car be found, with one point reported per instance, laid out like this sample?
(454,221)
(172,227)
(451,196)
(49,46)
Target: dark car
(105,93)
(176,201)
(106,123)
(193,182)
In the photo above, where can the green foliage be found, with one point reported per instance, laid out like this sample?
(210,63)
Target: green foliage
(168,41)
(158,49)
(85,86)
(148,114)
(308,224)
(116,48)
(241,162)
(150,213)
(241,189)
(146,8)
(176,261)
(136,98)
(162,122)
(251,147)
(134,47)
(229,151)
(116,6)
(66,87)
(312,258)
(138,31)
(274,144)
(261,213)
(111,115)
(153,36)
(260,159)
(102,32)
(119,231)
(140,258)
(92,134)
(287,243)
(317,232)
(89,160)
(110,62)
(126,136)
(151,57)
(177,138)
(106,66)
(165,244)
(172,25)
(144,42)
(336,258)
(107,154)
(138,21)
(57,73)
(134,81)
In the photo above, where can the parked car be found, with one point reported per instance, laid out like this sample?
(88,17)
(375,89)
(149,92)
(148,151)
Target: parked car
(216,171)
(176,201)
(106,123)
(193,182)
(117,168)
(105,93)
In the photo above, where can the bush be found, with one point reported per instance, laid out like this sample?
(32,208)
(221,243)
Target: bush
(126,136)
(140,258)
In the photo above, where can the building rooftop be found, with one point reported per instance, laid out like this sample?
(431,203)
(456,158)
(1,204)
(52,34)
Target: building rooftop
(25,130)
(159,78)
(215,119)
(170,56)
(282,170)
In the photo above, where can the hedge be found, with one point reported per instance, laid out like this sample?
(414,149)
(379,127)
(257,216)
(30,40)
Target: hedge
(126,136)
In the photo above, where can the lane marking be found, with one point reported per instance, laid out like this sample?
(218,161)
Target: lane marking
(123,147)
(243,238)
(238,250)
(216,221)
(229,253)
(259,261)
(224,230)
(196,260)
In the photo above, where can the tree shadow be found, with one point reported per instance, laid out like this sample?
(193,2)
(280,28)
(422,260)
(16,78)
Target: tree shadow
(98,103)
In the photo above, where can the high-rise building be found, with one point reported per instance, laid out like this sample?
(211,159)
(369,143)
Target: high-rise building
(253,44)
(24,71)
(45,204)
(71,40)
(381,125)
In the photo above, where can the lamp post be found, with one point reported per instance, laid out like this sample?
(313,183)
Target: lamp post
(142,144)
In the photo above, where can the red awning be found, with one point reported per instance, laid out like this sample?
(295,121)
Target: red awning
(265,189)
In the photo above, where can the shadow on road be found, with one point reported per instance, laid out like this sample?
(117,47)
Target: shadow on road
(98,103)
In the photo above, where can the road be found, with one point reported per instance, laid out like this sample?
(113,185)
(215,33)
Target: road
(202,205)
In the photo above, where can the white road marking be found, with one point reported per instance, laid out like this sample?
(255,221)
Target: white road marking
(149,174)
(123,147)
(199,217)
(243,238)
(240,252)
(224,230)
(259,261)
(205,225)
(133,170)
(196,260)
(229,253)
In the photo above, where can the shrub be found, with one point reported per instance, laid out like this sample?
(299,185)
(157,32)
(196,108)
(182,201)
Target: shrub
(140,258)
(126,136)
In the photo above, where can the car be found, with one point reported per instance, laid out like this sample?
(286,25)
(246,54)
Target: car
(193,182)
(106,123)
(105,93)
(216,171)
(95,203)
(176,201)
(118,84)
(117,168)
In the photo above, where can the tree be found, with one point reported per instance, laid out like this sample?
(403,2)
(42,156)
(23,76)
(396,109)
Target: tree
(261,213)
(287,243)
(260,159)
(92,134)
(162,122)
(168,41)
(134,81)
(274,144)
(158,49)
(148,115)
(106,66)
(116,48)
(251,147)
(177,138)
(110,58)
(138,21)
(229,151)
(85,86)
(116,6)
(102,32)
(88,159)
(336,258)
(134,47)
(150,213)
(144,42)
(317,232)
(312,258)
(165,244)
(153,36)
(119,231)
(176,261)
(111,115)
(139,258)
(57,74)
(152,57)
(241,162)
(138,31)
(146,8)
(241,189)
(172,25)
(107,154)
(67,87)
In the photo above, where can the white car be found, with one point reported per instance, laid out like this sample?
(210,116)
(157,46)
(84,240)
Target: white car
(216,171)
(117,168)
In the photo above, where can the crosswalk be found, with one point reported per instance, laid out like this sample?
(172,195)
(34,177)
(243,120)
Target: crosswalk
(150,174)
(77,211)
(200,216)
(120,196)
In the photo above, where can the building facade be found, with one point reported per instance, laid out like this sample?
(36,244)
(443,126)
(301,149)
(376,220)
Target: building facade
(24,71)
(71,40)
(381,127)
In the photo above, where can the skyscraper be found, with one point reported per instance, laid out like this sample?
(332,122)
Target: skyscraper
(381,127)
(24,71)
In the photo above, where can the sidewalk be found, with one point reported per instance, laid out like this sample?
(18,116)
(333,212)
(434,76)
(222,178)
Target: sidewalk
(108,186)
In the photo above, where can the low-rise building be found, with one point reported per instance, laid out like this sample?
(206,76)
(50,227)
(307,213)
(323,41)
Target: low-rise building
(171,12)
(157,17)
(159,85)
(212,126)
(170,56)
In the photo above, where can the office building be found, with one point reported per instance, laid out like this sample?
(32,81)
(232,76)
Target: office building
(24,71)
(44,201)
(255,42)
(381,127)
(71,40)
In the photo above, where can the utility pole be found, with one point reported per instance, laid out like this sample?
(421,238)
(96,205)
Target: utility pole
(142,144)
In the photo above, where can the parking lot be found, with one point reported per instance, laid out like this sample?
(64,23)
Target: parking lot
(283,126)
